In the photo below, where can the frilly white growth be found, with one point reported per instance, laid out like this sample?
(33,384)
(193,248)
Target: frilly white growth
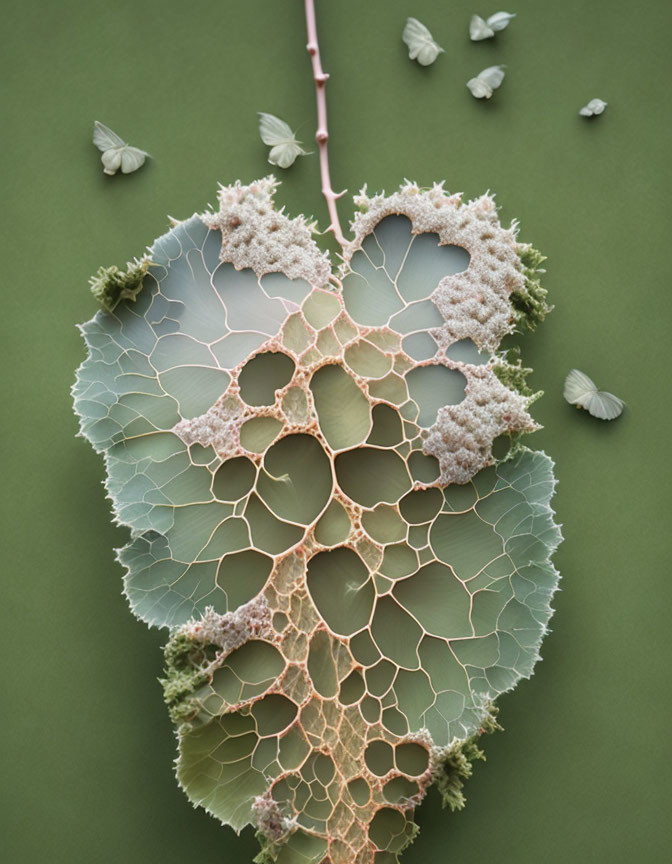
(480,29)
(486,82)
(593,108)
(581,391)
(277,134)
(421,45)
(116,152)
(256,235)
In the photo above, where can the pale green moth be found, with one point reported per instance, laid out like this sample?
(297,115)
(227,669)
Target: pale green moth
(581,391)
(486,82)
(421,44)
(280,138)
(116,152)
(593,108)
(485,29)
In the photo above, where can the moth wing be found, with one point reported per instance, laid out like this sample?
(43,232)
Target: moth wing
(597,105)
(500,20)
(104,138)
(493,76)
(132,159)
(421,44)
(478,29)
(273,130)
(605,406)
(579,388)
(284,155)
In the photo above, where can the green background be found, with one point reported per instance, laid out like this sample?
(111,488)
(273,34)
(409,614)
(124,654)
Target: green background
(582,773)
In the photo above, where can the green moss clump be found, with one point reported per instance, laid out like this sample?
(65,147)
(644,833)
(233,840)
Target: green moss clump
(111,285)
(513,374)
(186,664)
(529,302)
(456,767)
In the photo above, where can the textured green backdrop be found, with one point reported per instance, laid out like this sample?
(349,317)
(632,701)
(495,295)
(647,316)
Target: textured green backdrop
(582,773)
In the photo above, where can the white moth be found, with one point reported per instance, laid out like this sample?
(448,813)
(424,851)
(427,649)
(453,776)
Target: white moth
(582,392)
(280,138)
(486,82)
(480,29)
(421,45)
(116,152)
(594,107)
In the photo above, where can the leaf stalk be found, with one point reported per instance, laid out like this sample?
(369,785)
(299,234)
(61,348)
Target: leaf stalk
(322,135)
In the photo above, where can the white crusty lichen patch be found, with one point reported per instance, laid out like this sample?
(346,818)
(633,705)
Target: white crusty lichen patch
(463,435)
(256,235)
(300,459)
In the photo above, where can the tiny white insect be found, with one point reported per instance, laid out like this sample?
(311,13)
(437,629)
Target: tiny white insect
(486,82)
(581,391)
(116,152)
(421,45)
(594,107)
(280,138)
(485,29)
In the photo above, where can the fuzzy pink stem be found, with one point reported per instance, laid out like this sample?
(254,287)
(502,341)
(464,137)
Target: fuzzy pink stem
(322,135)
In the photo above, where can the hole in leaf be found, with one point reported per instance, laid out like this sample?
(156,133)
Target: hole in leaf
(387,430)
(261,376)
(379,758)
(369,476)
(234,479)
(273,713)
(359,789)
(363,649)
(380,677)
(295,481)
(370,709)
(421,506)
(411,758)
(334,525)
(339,584)
(352,688)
